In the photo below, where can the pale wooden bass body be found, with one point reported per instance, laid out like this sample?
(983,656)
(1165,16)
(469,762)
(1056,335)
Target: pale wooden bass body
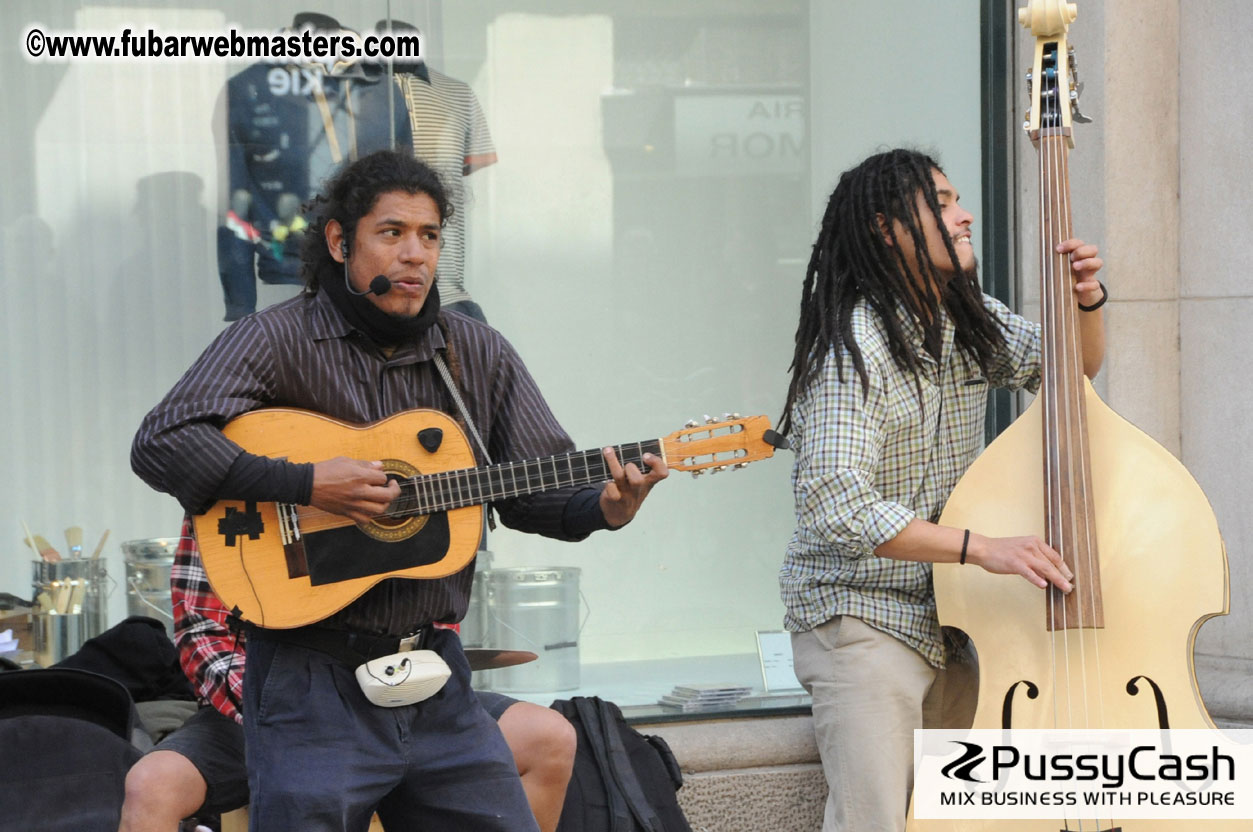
(1163,574)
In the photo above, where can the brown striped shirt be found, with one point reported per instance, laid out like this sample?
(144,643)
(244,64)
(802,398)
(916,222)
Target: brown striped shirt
(302,353)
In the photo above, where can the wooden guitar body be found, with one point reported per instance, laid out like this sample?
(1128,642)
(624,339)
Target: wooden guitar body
(279,565)
(251,567)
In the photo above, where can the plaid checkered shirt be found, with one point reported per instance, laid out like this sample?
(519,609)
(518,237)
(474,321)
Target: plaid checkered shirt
(865,466)
(211,656)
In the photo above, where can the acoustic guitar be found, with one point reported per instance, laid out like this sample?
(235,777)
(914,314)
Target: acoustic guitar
(282,565)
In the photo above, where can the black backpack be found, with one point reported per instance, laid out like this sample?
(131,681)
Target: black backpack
(623,781)
(66,740)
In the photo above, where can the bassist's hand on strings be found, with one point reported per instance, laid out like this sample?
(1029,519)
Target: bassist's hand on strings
(624,493)
(1085,262)
(352,488)
(1028,556)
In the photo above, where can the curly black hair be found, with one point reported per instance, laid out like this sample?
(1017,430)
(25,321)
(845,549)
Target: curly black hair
(352,193)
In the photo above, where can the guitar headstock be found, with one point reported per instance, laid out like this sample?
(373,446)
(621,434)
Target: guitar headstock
(721,444)
(1053,85)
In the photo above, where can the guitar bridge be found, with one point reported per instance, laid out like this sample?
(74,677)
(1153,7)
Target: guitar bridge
(288,522)
(293,545)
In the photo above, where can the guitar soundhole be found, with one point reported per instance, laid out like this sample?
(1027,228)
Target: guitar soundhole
(401,520)
(392,518)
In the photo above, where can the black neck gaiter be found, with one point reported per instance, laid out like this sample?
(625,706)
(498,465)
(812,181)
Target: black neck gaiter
(383,329)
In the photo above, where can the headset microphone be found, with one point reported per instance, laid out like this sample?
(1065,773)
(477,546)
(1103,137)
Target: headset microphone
(380,285)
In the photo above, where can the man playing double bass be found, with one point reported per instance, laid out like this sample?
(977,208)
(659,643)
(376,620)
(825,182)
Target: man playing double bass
(896,349)
(363,342)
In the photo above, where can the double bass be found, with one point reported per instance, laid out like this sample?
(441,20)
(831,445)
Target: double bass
(1128,519)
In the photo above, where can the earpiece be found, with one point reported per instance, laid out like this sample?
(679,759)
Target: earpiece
(343,249)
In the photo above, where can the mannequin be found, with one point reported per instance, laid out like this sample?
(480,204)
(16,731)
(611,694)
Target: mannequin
(287,128)
(450,134)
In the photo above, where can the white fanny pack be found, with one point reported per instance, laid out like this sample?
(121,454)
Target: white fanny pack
(403,678)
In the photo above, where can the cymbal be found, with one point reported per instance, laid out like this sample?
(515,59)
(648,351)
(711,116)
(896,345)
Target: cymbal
(486,658)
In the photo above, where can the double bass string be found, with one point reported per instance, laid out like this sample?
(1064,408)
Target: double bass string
(1051,500)
(1079,436)
(1055,389)
(1067,385)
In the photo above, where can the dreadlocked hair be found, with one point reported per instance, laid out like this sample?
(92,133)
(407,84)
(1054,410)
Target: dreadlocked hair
(852,261)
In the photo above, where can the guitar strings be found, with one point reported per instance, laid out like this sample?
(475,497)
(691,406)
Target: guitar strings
(447,490)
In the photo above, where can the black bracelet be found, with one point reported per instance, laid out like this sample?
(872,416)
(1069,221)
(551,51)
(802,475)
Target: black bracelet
(965,543)
(1095,306)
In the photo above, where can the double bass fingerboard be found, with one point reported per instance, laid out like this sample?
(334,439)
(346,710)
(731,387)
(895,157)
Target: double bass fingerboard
(1069,514)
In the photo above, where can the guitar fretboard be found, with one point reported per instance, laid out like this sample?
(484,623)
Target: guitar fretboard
(474,486)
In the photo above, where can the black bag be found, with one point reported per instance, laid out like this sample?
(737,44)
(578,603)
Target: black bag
(66,746)
(623,781)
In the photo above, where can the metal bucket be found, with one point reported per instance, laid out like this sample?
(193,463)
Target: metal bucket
(71,606)
(474,625)
(148,564)
(536,609)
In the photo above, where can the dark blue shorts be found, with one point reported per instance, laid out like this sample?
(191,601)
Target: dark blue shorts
(321,757)
(215,746)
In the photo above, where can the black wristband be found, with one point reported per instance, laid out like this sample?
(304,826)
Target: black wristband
(1095,306)
(965,543)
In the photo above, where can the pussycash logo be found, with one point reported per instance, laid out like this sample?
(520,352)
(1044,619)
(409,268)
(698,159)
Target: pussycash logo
(1143,763)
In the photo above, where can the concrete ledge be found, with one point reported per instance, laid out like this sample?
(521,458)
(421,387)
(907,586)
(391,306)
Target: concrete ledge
(779,799)
(722,744)
(746,775)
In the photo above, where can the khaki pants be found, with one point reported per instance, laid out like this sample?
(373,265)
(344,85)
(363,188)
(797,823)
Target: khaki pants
(870,691)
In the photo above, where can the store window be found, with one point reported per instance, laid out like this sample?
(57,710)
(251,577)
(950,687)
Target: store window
(638,186)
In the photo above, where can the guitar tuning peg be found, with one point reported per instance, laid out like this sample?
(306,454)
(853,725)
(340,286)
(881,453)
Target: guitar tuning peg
(741,465)
(691,423)
(697,473)
(709,420)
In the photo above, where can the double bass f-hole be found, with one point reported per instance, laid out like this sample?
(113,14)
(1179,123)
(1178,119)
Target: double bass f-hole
(1032,691)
